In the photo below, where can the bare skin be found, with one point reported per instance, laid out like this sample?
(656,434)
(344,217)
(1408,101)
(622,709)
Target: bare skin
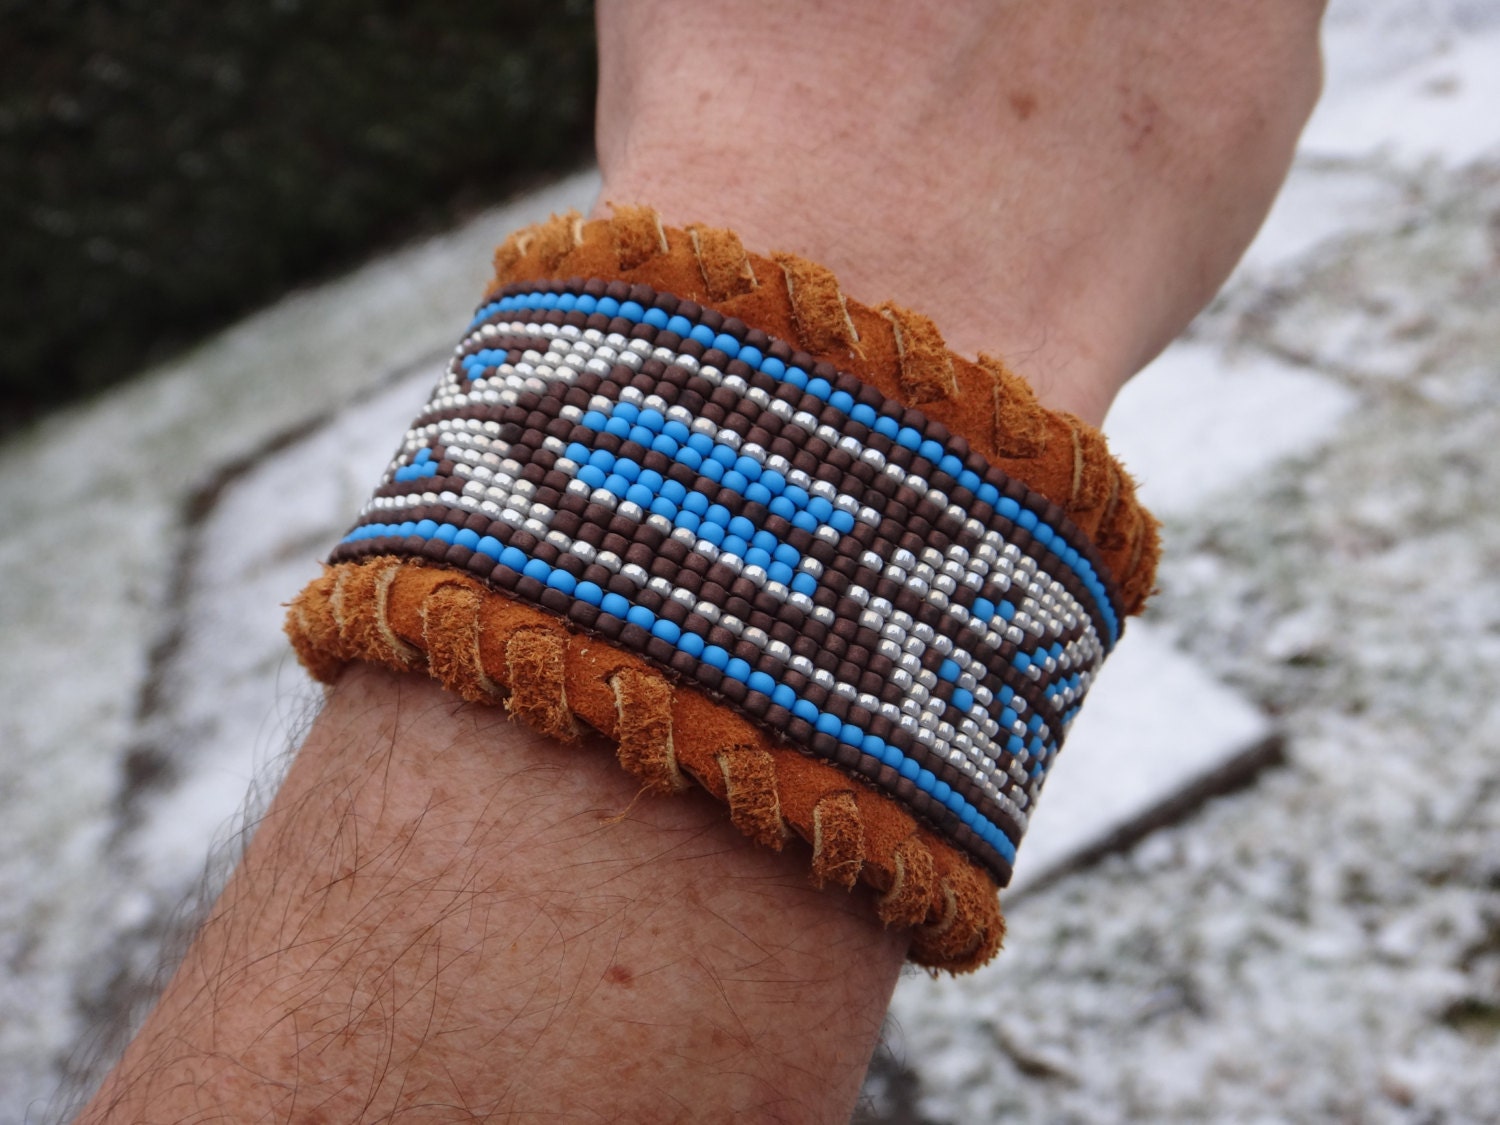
(445,917)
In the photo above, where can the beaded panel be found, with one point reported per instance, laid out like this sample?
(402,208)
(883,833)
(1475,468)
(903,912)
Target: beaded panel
(846,572)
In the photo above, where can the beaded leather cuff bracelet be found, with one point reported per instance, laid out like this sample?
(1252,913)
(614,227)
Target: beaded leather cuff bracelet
(852,618)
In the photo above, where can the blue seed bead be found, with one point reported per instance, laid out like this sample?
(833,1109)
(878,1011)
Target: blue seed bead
(663,444)
(702,443)
(691,643)
(797,495)
(536,568)
(632,310)
(893,757)
(627,468)
(851,735)
(783,696)
(688,520)
(696,503)
(782,507)
(950,465)
(514,558)
(734,545)
(1007,610)
(886,426)
(651,479)
(804,583)
(426,529)
(608,306)
(588,592)
(735,480)
(742,527)
(786,553)
(626,410)
(1042,534)
(942,791)
(593,476)
(703,334)
(715,657)
(930,450)
(908,438)
(642,436)
(617,426)
(616,484)
(666,630)
(712,469)
(639,494)
(615,605)
(842,522)
(773,367)
(796,377)
(680,325)
(962,699)
(490,546)
(657,318)
(712,532)
(718,514)
(754,556)
(779,572)
(1026,519)
(873,745)
(819,388)
(727,344)
(805,711)
(562,580)
(467,537)
(841,400)
(663,507)
(445,533)
(1022,661)
(819,508)
(908,768)
(948,670)
(640,615)
(690,458)
(750,355)
(864,415)
(409,527)
(773,481)
(828,724)
(926,780)
(761,682)
(757,493)
(1006,508)
(970,480)
(652,420)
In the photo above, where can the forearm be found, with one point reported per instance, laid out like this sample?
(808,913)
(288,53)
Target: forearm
(445,915)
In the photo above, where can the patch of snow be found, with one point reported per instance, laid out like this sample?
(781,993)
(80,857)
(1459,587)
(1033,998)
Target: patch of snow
(1200,420)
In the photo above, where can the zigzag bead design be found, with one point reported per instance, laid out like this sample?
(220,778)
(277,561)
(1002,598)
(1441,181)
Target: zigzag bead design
(841,569)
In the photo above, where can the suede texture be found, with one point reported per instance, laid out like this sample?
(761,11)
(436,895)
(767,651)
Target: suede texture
(408,615)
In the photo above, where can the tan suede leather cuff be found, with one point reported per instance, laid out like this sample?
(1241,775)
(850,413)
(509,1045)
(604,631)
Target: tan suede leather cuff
(412,614)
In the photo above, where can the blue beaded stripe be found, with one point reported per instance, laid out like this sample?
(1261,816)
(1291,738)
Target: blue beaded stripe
(1006,732)
(540,300)
(618,606)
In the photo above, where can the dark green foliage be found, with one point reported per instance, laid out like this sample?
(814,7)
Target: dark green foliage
(167,164)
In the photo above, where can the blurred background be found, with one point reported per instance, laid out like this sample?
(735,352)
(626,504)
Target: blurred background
(1265,882)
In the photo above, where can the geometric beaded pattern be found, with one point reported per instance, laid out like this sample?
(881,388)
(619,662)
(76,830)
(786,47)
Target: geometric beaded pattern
(842,570)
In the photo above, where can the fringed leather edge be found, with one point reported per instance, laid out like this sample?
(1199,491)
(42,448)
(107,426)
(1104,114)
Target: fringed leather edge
(899,351)
(489,649)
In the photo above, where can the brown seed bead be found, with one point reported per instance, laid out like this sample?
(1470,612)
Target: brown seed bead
(555,600)
(755,704)
(619,584)
(583,614)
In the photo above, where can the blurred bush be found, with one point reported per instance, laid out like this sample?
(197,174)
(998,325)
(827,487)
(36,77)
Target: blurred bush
(168,164)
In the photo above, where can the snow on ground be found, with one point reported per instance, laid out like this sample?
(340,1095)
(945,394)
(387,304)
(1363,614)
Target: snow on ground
(1323,945)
